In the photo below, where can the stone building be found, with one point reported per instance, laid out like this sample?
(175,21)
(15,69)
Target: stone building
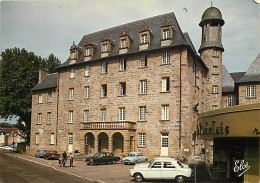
(134,87)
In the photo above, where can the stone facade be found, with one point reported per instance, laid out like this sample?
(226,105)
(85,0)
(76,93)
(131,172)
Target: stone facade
(243,98)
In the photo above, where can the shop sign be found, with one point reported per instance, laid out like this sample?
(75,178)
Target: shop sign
(211,129)
(256,131)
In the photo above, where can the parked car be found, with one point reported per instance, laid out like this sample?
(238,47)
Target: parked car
(134,157)
(161,168)
(102,158)
(51,155)
(40,153)
(7,148)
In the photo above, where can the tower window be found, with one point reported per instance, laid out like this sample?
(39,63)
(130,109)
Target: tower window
(215,89)
(215,69)
(215,53)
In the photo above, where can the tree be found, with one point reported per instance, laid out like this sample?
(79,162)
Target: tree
(18,75)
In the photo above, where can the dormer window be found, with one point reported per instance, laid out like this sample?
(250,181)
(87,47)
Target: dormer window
(104,46)
(87,51)
(166,34)
(123,43)
(143,38)
(73,54)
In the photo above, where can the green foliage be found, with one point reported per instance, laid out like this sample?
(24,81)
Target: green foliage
(18,75)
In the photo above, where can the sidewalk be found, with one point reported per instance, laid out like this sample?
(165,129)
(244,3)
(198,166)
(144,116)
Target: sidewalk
(117,173)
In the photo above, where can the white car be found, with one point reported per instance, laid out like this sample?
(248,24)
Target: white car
(7,148)
(161,168)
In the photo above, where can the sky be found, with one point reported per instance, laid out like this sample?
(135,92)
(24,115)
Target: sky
(46,27)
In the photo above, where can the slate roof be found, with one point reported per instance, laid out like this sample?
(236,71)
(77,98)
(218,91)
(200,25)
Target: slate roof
(237,75)
(49,81)
(212,13)
(253,72)
(228,84)
(132,29)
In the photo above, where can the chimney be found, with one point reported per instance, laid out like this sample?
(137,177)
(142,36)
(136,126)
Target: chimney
(42,74)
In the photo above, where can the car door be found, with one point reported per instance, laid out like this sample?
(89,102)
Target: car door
(168,170)
(154,171)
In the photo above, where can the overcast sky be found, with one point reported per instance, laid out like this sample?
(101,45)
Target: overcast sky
(46,27)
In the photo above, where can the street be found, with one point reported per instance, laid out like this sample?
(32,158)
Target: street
(22,171)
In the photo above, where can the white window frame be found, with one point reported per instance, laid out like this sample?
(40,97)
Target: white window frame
(230,100)
(87,51)
(166,57)
(250,91)
(142,113)
(143,87)
(103,114)
(123,43)
(49,118)
(166,34)
(165,84)
(37,138)
(144,38)
(86,116)
(52,139)
(214,107)
(40,98)
(165,112)
(122,89)
(122,64)
(215,69)
(87,70)
(121,114)
(143,61)
(71,97)
(39,118)
(141,139)
(72,73)
(73,54)
(70,116)
(215,53)
(70,138)
(105,46)
(164,140)
(49,97)
(87,92)
(215,89)
(104,67)
(104,90)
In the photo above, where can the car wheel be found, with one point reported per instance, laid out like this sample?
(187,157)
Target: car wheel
(180,179)
(138,177)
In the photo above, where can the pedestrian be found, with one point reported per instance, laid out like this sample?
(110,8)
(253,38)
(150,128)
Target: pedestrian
(64,157)
(71,160)
(121,156)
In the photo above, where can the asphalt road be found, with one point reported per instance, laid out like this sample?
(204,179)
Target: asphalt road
(15,170)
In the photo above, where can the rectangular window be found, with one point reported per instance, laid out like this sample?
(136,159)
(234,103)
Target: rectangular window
(52,139)
(39,118)
(73,55)
(49,96)
(70,139)
(72,73)
(86,116)
(165,112)
(121,114)
(215,53)
(214,107)
(37,138)
(70,116)
(103,115)
(166,57)
(143,87)
(215,89)
(103,90)
(141,139)
(166,34)
(87,70)
(230,100)
(165,84)
(143,38)
(142,113)
(250,91)
(87,92)
(40,98)
(164,140)
(87,51)
(143,61)
(104,67)
(122,89)
(105,47)
(215,69)
(71,94)
(122,64)
(123,43)
(49,117)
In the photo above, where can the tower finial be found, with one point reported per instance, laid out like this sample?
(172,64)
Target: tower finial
(211,3)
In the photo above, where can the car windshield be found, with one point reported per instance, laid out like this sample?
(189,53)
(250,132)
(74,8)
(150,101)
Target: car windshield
(131,154)
(180,164)
(151,162)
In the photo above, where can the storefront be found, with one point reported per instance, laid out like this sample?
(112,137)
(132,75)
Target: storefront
(231,138)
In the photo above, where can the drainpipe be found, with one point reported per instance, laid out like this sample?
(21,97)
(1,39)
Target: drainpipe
(58,90)
(180,125)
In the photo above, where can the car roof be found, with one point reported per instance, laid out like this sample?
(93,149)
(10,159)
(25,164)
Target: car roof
(165,158)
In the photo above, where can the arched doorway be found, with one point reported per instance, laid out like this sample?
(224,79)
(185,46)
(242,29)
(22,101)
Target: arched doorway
(89,143)
(118,143)
(102,142)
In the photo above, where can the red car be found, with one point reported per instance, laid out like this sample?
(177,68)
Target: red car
(51,155)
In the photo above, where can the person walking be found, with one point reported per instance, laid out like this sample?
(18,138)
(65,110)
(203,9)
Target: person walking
(64,158)
(71,160)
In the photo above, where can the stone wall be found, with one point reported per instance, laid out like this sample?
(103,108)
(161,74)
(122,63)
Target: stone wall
(242,94)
